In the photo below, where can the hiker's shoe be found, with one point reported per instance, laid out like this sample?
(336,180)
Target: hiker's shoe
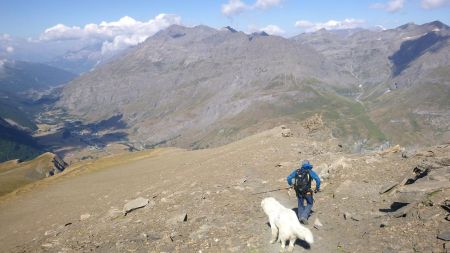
(304,221)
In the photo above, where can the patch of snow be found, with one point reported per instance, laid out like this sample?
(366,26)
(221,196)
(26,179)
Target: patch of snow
(413,37)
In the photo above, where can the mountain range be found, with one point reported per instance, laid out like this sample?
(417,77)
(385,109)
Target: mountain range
(198,86)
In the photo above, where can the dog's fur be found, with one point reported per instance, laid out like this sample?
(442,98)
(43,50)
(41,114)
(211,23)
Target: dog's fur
(284,224)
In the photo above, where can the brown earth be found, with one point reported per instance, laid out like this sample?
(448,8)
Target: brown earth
(80,210)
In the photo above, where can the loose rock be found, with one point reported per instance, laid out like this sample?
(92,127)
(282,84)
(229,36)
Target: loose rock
(444,236)
(134,204)
(355,218)
(178,219)
(286,132)
(347,215)
(388,187)
(85,216)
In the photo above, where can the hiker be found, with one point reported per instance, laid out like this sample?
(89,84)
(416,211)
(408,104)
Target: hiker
(302,186)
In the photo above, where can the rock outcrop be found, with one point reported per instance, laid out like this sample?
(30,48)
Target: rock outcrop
(14,174)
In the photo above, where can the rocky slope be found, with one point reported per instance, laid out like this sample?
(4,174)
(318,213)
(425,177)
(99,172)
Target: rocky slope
(402,76)
(15,173)
(199,87)
(209,200)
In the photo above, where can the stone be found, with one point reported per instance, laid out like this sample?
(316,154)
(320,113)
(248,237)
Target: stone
(183,217)
(47,245)
(444,235)
(417,191)
(384,224)
(355,217)
(388,187)
(286,132)
(347,215)
(283,164)
(135,204)
(85,216)
(243,180)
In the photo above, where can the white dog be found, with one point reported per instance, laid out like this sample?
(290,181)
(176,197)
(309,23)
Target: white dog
(285,224)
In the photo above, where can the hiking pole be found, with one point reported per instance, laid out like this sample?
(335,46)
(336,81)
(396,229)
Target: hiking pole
(279,189)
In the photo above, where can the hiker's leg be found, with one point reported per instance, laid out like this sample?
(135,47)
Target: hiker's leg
(309,204)
(300,206)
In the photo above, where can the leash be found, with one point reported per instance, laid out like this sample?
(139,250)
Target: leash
(279,189)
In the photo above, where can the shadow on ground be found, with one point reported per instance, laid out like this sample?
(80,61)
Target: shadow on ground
(75,135)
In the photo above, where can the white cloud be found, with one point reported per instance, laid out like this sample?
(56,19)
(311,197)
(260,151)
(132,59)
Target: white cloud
(348,23)
(114,35)
(395,5)
(265,4)
(234,7)
(272,30)
(391,6)
(9,49)
(305,24)
(5,36)
(432,4)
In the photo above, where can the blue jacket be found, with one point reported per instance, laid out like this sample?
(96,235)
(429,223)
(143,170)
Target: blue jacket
(312,173)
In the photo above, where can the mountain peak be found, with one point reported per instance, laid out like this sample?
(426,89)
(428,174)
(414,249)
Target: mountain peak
(262,33)
(436,24)
(409,25)
(176,31)
(231,29)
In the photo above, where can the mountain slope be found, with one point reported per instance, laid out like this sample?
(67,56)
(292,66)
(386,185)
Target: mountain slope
(16,143)
(14,173)
(401,74)
(199,87)
(209,200)
(186,82)
(20,77)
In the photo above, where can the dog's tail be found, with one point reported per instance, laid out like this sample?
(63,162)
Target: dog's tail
(304,233)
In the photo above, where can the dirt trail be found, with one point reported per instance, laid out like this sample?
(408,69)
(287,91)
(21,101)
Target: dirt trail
(82,211)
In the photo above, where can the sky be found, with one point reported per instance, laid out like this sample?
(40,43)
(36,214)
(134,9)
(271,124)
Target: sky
(114,25)
(26,18)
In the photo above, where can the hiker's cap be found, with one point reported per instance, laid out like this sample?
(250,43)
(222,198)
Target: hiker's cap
(306,165)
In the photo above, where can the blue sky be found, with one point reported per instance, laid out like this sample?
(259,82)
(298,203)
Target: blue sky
(30,18)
